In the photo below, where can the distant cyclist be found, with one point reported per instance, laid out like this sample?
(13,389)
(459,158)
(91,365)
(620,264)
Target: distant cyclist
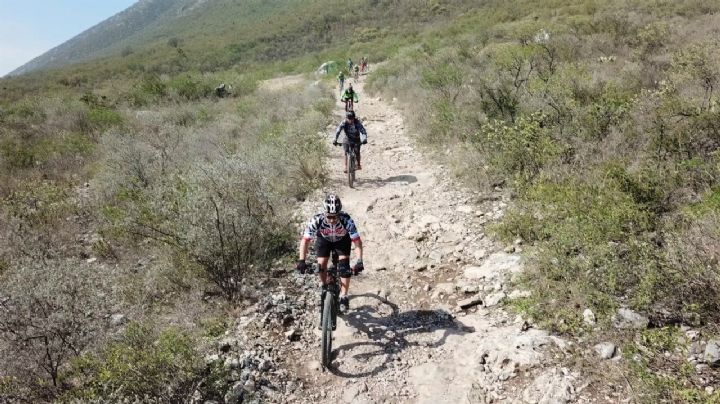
(333,230)
(355,135)
(357,71)
(363,65)
(350,98)
(350,65)
(341,80)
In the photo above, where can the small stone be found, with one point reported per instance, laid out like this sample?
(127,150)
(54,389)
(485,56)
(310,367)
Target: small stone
(435,256)
(292,335)
(519,294)
(494,298)
(210,359)
(350,393)
(426,288)
(480,254)
(234,395)
(117,319)
(470,302)
(232,363)
(629,319)
(712,353)
(589,317)
(314,366)
(605,350)
(464,209)
(470,289)
(419,266)
(249,386)
(509,249)
(264,365)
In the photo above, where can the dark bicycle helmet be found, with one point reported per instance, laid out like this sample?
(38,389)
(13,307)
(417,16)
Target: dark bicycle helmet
(332,204)
(350,114)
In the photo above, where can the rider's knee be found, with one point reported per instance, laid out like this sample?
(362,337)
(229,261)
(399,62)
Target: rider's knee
(344,268)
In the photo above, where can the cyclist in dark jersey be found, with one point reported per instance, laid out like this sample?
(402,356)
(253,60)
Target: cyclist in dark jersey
(333,230)
(355,135)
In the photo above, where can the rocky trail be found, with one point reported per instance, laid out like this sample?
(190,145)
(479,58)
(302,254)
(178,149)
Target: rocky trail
(426,323)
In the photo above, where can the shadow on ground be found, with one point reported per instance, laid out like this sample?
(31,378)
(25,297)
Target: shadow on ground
(388,332)
(377,182)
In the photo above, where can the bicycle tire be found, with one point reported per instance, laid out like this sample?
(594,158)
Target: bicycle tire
(327,330)
(351,169)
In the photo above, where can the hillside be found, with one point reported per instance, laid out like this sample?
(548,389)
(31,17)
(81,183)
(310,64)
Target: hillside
(539,202)
(110,35)
(214,34)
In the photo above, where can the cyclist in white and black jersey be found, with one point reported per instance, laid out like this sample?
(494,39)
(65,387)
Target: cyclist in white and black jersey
(333,230)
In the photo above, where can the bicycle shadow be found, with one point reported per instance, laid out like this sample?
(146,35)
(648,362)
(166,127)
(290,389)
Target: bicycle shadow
(388,335)
(378,182)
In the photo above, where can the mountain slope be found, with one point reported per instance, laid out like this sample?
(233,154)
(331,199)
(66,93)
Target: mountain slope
(216,34)
(110,34)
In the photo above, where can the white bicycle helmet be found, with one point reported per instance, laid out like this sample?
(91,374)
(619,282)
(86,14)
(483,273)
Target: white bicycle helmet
(332,204)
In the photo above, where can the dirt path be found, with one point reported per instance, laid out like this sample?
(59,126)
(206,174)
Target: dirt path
(406,338)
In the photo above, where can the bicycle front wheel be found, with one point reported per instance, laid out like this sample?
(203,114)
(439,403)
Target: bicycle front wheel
(327,330)
(351,169)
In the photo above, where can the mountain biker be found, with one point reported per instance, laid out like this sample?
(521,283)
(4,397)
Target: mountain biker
(333,230)
(357,71)
(350,65)
(363,64)
(349,97)
(341,80)
(355,135)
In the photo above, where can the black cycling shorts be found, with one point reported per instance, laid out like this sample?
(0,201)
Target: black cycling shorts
(323,248)
(347,146)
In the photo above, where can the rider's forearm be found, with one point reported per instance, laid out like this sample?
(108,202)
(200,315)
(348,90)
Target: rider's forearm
(359,249)
(304,245)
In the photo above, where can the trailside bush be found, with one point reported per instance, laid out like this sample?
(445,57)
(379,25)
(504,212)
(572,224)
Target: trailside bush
(45,326)
(217,191)
(141,365)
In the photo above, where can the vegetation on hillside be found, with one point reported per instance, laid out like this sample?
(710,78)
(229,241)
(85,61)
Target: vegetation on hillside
(126,204)
(128,188)
(602,118)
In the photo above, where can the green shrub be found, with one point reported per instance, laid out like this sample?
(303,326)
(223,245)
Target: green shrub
(141,365)
(521,149)
(191,87)
(103,118)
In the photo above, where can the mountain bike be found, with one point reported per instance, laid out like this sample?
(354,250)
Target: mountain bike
(349,105)
(351,163)
(330,305)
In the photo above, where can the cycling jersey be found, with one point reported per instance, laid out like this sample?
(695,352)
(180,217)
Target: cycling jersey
(354,132)
(333,232)
(350,95)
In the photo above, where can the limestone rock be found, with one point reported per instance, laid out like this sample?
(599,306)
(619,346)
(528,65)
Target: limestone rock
(589,317)
(629,319)
(712,352)
(495,266)
(605,350)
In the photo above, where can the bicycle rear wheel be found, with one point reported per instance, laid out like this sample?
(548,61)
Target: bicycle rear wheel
(327,330)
